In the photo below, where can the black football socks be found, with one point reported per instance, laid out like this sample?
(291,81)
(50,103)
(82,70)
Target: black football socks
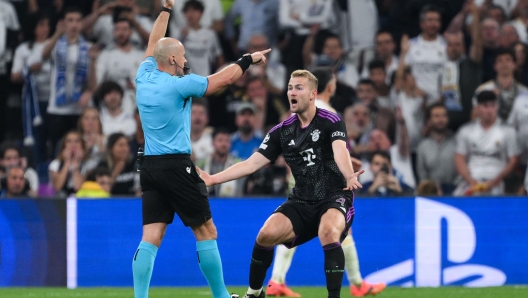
(334,268)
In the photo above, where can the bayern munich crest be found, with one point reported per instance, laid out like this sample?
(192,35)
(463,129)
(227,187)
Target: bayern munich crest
(315,135)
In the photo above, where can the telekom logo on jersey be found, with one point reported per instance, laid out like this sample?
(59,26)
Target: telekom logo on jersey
(427,265)
(308,156)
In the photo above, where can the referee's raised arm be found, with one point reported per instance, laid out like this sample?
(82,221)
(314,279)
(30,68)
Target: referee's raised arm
(169,54)
(160,27)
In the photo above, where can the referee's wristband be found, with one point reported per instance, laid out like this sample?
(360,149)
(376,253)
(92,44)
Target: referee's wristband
(163,8)
(245,62)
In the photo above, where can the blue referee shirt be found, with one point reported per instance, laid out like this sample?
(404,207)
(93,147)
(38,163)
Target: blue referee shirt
(164,104)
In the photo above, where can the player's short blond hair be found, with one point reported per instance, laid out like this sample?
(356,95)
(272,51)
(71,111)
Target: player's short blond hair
(302,73)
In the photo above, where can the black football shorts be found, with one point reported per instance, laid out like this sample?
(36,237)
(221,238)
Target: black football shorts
(170,184)
(305,216)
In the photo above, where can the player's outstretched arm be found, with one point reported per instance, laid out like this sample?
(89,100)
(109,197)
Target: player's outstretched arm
(342,159)
(236,171)
(159,29)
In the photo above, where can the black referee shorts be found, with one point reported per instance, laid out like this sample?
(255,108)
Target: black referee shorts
(305,216)
(170,184)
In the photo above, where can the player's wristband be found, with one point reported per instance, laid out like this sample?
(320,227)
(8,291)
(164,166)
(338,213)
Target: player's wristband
(244,62)
(163,8)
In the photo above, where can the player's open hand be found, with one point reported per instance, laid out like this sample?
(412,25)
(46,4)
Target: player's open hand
(205,177)
(352,181)
(259,57)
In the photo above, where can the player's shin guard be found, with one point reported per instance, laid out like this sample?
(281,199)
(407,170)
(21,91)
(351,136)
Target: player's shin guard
(211,266)
(142,266)
(260,262)
(334,268)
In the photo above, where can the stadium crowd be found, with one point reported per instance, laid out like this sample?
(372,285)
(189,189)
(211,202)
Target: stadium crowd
(433,92)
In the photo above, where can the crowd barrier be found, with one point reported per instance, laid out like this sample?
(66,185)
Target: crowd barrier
(401,241)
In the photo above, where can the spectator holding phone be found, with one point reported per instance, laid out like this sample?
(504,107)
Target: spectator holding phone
(100,23)
(387,182)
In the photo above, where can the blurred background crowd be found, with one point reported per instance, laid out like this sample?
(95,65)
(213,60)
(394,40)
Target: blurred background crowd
(433,92)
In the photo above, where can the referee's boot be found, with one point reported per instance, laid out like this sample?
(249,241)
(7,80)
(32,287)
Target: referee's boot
(262,295)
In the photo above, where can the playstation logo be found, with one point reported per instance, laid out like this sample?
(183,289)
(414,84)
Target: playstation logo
(427,268)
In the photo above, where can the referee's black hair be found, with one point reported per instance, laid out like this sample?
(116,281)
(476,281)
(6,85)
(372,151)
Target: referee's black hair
(324,75)
(194,4)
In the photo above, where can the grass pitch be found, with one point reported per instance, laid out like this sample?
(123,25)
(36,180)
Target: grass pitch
(306,292)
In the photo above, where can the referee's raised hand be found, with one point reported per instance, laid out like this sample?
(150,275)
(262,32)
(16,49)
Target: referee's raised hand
(259,57)
(169,3)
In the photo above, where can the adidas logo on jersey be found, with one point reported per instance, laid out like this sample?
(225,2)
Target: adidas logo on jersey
(292,143)
(188,170)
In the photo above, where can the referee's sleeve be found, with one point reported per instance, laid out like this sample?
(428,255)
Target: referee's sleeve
(192,85)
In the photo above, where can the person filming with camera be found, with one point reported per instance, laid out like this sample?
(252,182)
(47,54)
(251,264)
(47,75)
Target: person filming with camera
(386,180)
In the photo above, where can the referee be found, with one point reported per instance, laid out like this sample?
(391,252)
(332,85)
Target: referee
(169,180)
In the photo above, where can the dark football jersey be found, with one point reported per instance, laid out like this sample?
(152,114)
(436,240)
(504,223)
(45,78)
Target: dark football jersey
(308,152)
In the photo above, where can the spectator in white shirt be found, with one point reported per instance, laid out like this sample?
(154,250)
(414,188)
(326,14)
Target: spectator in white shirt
(361,24)
(201,134)
(212,17)
(486,150)
(384,51)
(256,16)
(120,62)
(504,85)
(332,52)
(520,22)
(427,54)
(8,22)
(36,75)
(296,17)
(72,80)
(100,23)
(410,98)
(113,118)
(202,47)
